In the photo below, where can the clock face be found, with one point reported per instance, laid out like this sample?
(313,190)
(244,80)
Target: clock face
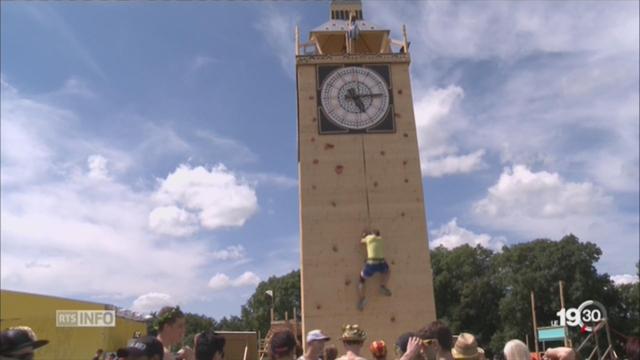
(354,97)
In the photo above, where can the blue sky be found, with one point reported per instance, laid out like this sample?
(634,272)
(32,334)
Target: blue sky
(149,149)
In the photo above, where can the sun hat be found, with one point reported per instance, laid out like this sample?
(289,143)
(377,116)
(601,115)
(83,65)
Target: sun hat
(466,347)
(20,337)
(378,349)
(352,332)
(317,335)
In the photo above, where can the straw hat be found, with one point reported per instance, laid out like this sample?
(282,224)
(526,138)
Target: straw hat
(466,347)
(353,333)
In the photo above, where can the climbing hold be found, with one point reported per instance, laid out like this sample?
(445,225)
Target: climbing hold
(406,180)
(405,135)
(314,120)
(318,306)
(339,169)
(397,115)
(334,248)
(313,187)
(328,146)
(402,214)
(311,97)
(375,184)
(400,91)
(382,152)
(393,319)
(404,162)
(333,203)
(316,161)
(393,262)
(347,282)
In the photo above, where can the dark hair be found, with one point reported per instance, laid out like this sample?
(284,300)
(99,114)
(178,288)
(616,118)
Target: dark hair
(403,340)
(122,352)
(168,315)
(439,331)
(353,342)
(330,352)
(376,232)
(633,348)
(207,344)
(282,343)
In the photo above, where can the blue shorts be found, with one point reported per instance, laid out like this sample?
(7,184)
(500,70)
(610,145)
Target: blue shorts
(371,269)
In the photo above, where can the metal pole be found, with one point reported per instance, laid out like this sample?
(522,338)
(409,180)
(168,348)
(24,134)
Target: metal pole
(535,324)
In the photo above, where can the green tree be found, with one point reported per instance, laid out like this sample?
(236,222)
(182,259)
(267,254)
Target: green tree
(538,266)
(465,292)
(195,324)
(286,289)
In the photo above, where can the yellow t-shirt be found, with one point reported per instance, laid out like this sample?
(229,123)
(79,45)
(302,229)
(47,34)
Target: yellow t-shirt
(374,246)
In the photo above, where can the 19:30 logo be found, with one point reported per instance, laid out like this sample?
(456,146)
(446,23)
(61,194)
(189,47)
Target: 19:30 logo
(586,316)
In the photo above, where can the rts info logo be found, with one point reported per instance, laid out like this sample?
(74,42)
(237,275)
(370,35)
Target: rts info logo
(586,316)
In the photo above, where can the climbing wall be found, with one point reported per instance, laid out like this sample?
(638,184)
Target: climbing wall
(349,183)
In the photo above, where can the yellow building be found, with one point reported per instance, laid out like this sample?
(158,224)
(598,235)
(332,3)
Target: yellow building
(65,343)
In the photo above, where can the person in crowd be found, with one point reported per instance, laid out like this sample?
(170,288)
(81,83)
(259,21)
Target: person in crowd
(146,348)
(352,339)
(209,346)
(19,342)
(375,264)
(316,340)
(466,348)
(413,349)
(516,350)
(282,345)
(439,349)
(122,354)
(559,353)
(633,348)
(171,327)
(400,346)
(330,352)
(98,354)
(378,350)
(111,356)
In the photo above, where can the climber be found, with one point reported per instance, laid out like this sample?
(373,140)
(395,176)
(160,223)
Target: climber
(375,263)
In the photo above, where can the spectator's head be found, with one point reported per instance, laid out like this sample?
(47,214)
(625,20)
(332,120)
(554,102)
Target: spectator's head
(401,343)
(376,232)
(330,352)
(19,343)
(111,356)
(209,346)
(353,337)
(516,350)
(378,349)
(466,348)
(316,340)
(122,353)
(171,325)
(439,331)
(145,348)
(633,348)
(99,352)
(282,345)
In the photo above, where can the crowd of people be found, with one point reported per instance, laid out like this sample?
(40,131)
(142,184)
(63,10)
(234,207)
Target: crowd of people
(432,342)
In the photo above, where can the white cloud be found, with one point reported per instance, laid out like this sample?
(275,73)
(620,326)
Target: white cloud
(451,235)
(541,204)
(221,281)
(624,279)
(171,220)
(236,252)
(217,197)
(278,30)
(437,120)
(152,302)
(540,195)
(98,167)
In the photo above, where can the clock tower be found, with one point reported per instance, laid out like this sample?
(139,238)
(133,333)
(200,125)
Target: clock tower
(359,168)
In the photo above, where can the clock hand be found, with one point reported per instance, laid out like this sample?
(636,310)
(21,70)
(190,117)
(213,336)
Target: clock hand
(371,95)
(359,104)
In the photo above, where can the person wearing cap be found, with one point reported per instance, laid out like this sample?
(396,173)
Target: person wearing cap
(145,348)
(466,348)
(378,349)
(375,264)
(352,339)
(19,342)
(315,345)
